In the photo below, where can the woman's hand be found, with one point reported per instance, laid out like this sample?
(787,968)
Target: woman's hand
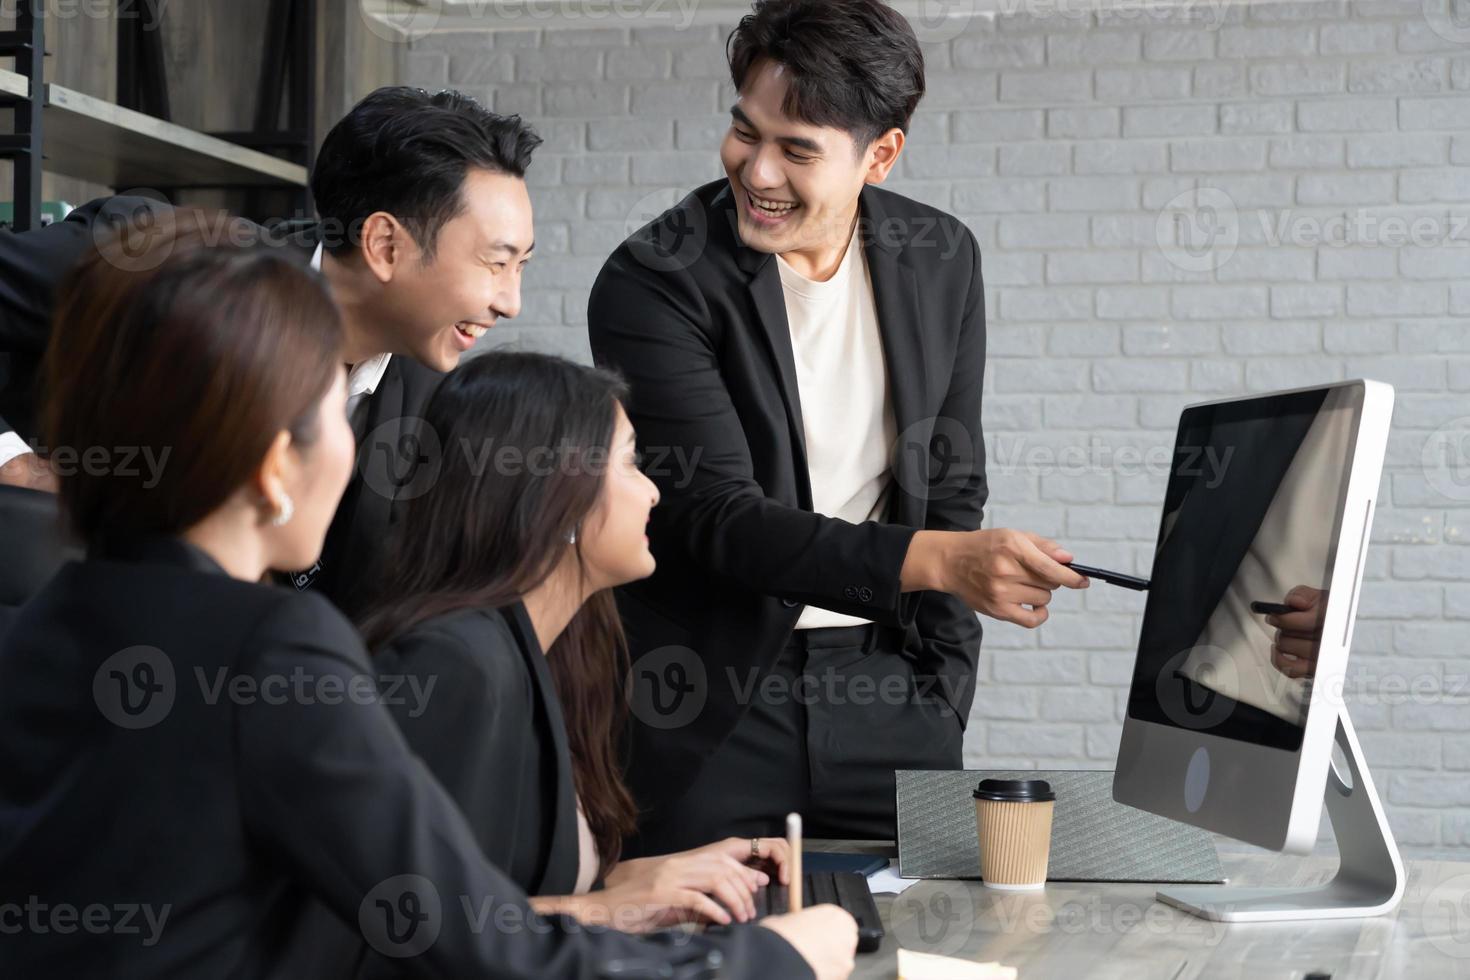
(628,909)
(774,850)
(717,870)
(664,892)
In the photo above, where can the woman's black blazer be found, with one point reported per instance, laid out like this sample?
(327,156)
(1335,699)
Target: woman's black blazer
(187,760)
(477,703)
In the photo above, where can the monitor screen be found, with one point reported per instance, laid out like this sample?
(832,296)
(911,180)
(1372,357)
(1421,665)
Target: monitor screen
(1244,563)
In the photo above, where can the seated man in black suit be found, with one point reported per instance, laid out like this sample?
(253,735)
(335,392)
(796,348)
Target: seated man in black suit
(807,353)
(425,228)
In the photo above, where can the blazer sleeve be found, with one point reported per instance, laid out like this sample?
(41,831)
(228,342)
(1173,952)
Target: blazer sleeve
(949,631)
(468,715)
(649,326)
(330,788)
(33,264)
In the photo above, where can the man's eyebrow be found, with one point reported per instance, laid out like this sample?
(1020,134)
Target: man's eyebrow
(512,249)
(801,142)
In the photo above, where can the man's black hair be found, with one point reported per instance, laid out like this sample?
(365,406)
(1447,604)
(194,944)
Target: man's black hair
(854,64)
(406,152)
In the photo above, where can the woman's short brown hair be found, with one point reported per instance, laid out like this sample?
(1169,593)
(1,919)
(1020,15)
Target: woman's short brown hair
(197,352)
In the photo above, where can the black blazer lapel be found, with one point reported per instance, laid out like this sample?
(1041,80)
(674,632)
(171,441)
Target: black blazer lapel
(360,527)
(900,323)
(381,468)
(563,858)
(896,299)
(770,308)
(396,459)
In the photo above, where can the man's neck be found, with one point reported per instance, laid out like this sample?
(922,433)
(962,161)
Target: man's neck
(820,262)
(350,291)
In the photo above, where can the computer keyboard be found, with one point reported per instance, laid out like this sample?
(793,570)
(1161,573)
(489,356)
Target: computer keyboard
(846,889)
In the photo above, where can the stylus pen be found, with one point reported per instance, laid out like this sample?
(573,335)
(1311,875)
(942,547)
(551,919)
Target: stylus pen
(793,840)
(1112,578)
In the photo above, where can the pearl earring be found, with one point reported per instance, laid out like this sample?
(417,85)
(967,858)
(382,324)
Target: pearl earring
(287,509)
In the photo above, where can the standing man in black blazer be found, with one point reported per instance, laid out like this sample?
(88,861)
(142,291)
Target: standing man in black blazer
(807,354)
(425,228)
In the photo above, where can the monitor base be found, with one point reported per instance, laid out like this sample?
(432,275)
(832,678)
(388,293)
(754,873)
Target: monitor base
(1369,879)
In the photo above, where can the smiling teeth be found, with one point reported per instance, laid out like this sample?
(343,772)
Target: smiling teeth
(475,330)
(775,207)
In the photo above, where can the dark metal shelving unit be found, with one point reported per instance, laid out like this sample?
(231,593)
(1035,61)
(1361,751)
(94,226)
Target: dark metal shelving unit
(27,45)
(132,144)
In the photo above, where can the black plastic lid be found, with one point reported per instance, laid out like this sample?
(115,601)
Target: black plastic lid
(1015,790)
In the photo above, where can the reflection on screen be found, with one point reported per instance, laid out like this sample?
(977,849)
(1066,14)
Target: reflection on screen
(1241,576)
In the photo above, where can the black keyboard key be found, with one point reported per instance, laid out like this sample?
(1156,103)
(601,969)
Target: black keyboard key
(845,889)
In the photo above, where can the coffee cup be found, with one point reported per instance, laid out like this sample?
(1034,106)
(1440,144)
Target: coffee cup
(1013,822)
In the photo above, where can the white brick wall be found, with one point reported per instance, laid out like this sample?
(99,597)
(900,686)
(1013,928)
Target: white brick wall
(1061,141)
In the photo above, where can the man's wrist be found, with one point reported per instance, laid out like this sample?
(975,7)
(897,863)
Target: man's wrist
(29,471)
(12,446)
(926,565)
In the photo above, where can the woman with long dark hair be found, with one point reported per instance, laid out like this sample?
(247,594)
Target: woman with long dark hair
(187,754)
(532,510)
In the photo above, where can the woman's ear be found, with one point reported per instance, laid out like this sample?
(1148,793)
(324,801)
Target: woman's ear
(274,472)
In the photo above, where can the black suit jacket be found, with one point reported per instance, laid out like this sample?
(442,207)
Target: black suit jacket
(157,750)
(489,726)
(385,475)
(697,322)
(492,731)
(32,266)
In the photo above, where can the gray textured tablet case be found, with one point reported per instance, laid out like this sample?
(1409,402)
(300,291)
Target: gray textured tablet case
(1092,838)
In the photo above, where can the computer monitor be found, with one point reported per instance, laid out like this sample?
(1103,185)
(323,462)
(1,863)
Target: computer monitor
(1236,699)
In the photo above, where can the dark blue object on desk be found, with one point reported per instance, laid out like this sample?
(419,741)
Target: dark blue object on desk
(834,861)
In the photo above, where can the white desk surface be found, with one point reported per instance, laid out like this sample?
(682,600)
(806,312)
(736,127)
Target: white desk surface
(1119,932)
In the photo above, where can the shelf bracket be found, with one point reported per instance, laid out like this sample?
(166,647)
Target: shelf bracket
(27,43)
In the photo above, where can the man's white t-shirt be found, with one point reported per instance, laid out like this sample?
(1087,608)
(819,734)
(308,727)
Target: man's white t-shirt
(842,381)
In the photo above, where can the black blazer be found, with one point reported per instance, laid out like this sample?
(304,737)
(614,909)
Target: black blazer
(32,266)
(156,750)
(494,735)
(697,322)
(472,694)
(36,545)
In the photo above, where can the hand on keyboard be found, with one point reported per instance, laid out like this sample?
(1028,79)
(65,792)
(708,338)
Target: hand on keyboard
(709,881)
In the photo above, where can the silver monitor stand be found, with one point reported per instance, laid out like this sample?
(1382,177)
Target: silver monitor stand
(1369,879)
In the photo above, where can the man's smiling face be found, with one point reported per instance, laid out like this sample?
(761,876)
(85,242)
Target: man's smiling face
(796,185)
(440,306)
